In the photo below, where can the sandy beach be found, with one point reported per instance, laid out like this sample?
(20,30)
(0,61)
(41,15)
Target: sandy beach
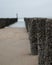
(15,47)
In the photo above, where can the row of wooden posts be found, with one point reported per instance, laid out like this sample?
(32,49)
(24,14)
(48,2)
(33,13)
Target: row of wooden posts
(40,36)
(7,21)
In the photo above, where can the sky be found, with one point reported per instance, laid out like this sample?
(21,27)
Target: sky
(26,8)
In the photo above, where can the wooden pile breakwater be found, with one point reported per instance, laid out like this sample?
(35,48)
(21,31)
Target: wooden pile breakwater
(41,39)
(7,21)
(28,23)
(32,31)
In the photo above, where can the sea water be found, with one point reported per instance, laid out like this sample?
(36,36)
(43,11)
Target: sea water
(20,23)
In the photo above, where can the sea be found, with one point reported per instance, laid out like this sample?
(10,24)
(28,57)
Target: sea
(19,23)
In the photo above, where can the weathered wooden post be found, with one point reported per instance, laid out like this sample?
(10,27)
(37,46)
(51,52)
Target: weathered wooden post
(33,37)
(26,23)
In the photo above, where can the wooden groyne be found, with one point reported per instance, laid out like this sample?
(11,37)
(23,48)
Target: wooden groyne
(32,31)
(7,21)
(40,35)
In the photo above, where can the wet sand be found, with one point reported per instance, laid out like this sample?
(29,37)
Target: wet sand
(15,47)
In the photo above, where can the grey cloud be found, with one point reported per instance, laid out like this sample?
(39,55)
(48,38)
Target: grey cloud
(29,8)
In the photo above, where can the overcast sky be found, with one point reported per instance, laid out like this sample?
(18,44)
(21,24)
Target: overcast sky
(26,8)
